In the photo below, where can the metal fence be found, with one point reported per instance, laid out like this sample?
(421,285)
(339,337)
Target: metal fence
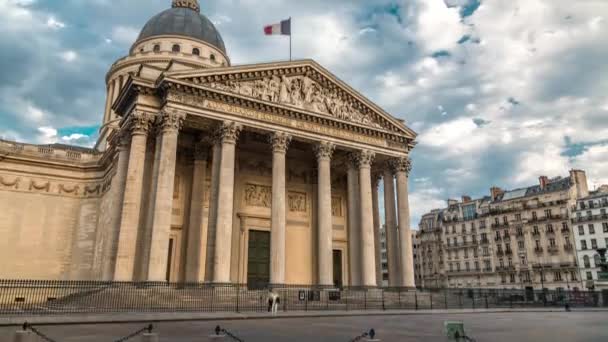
(23,297)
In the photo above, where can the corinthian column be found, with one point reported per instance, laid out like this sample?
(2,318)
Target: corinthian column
(196,250)
(377,237)
(368,254)
(402,168)
(229,132)
(212,219)
(108,255)
(324,152)
(170,124)
(139,124)
(392,238)
(280,143)
(354,232)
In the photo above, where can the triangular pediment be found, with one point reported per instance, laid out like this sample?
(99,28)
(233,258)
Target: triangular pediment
(302,85)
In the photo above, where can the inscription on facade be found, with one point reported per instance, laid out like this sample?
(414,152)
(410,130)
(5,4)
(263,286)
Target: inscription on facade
(284,121)
(297,202)
(258,195)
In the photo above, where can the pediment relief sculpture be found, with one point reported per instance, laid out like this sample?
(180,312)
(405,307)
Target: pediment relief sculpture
(300,92)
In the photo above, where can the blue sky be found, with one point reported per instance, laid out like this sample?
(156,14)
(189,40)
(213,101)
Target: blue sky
(499,91)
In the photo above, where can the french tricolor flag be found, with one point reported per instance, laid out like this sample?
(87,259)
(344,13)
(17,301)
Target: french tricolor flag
(282,28)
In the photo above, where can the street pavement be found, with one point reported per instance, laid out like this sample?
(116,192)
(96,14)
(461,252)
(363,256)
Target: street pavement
(495,327)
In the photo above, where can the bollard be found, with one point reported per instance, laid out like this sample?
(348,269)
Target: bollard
(23,336)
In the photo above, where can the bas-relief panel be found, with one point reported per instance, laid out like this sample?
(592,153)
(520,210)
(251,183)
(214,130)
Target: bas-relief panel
(297,202)
(55,187)
(300,92)
(258,195)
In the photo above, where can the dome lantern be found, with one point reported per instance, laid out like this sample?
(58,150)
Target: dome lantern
(191,4)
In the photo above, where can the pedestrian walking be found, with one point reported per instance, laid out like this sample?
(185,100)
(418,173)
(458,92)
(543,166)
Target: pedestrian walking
(273,302)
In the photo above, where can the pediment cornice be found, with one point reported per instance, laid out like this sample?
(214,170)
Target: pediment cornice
(304,85)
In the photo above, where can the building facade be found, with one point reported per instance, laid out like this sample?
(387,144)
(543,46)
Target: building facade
(520,238)
(590,223)
(207,172)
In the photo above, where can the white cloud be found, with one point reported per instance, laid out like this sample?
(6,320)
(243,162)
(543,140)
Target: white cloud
(47,135)
(124,35)
(69,56)
(54,23)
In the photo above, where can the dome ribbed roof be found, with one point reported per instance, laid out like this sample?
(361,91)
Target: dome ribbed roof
(182,21)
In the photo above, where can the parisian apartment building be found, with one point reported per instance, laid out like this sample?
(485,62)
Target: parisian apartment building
(525,238)
(590,224)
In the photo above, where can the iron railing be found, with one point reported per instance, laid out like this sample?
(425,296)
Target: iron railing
(23,297)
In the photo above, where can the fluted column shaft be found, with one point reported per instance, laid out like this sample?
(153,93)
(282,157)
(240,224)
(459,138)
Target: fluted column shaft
(280,143)
(170,124)
(324,153)
(212,220)
(377,237)
(354,232)
(196,250)
(118,183)
(229,132)
(402,168)
(392,238)
(139,123)
(368,254)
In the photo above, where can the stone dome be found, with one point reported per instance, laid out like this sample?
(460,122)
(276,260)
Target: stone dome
(183,19)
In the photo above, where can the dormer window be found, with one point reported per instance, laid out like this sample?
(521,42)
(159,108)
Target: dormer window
(196,52)
(175,48)
(212,57)
(156,48)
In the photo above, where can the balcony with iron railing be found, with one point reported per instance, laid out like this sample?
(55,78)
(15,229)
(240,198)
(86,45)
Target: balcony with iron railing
(500,225)
(553,249)
(568,247)
(538,250)
(588,218)
(498,238)
(550,231)
(565,230)
(508,252)
(520,235)
(536,233)
(484,241)
(500,253)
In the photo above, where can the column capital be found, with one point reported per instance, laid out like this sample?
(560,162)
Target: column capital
(279,141)
(324,150)
(171,120)
(403,164)
(365,158)
(139,123)
(228,132)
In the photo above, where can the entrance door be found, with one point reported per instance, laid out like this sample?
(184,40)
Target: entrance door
(337,261)
(258,265)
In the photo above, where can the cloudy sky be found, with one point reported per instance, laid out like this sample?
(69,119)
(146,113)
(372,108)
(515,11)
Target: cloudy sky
(500,92)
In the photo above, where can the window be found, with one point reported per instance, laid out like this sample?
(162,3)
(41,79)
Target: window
(486,251)
(212,57)
(175,48)
(547,212)
(476,265)
(535,230)
(520,231)
(520,244)
(473,226)
(482,224)
(589,214)
(507,247)
(591,229)
(589,276)
(497,234)
(451,267)
(156,48)
(557,276)
(475,253)
(537,244)
(573,276)
(501,262)
(488,265)
(581,230)
(484,237)
(503,278)
(468,211)
(567,240)
(453,229)
(510,262)
(517,217)
(605,227)
(552,242)
(593,244)
(458,267)
(584,245)
(504,220)
(596,260)
(463,228)
(534,217)
(196,52)
(466,266)
(564,226)
(499,248)
(549,228)
(523,260)
(590,204)
(466,253)
(512,277)
(586,261)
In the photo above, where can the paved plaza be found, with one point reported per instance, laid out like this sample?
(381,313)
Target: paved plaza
(495,327)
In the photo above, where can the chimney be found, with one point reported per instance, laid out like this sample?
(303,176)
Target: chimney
(466,199)
(543,181)
(495,192)
(578,178)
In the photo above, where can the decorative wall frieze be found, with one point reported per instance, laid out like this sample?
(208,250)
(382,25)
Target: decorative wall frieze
(62,153)
(279,142)
(297,202)
(55,187)
(324,150)
(401,165)
(258,195)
